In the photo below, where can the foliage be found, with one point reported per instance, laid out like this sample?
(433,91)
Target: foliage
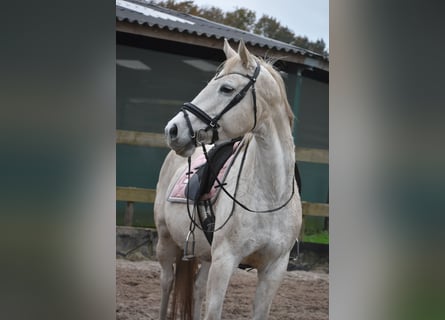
(241,18)
(321,237)
(183,6)
(317,46)
(213,13)
(271,28)
(245,19)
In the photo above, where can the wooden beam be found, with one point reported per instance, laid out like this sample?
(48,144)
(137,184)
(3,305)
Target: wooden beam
(315,209)
(212,42)
(129,213)
(151,139)
(142,139)
(135,194)
(131,194)
(166,34)
(312,155)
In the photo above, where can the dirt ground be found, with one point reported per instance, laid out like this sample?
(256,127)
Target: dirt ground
(302,295)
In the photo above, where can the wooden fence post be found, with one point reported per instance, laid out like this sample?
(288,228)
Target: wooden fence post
(301,235)
(128,216)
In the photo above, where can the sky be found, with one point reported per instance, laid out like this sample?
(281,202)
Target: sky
(304,17)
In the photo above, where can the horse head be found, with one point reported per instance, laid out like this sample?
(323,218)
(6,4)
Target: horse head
(228,107)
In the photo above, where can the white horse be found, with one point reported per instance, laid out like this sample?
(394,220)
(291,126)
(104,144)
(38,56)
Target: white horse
(258,216)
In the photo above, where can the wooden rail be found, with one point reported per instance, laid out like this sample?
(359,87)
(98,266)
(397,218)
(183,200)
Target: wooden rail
(142,139)
(143,195)
(150,139)
(135,194)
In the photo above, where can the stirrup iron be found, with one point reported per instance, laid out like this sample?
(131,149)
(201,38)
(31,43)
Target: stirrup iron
(294,257)
(189,247)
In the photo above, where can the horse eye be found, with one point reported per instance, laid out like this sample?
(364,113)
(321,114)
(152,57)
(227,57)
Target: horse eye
(226,88)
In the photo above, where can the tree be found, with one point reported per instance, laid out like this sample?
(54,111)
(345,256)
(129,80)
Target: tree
(318,46)
(271,28)
(245,19)
(183,6)
(213,13)
(241,18)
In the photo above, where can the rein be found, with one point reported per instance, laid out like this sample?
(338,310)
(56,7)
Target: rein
(193,222)
(221,185)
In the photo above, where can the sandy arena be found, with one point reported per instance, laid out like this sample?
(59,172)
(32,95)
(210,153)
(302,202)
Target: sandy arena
(302,295)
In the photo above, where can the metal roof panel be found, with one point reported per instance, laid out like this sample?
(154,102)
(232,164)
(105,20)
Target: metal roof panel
(155,16)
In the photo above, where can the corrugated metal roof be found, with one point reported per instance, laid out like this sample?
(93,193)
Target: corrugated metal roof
(162,18)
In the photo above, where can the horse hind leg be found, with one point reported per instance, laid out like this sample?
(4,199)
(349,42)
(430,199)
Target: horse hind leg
(269,280)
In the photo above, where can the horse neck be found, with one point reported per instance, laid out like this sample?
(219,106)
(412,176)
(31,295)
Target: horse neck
(272,156)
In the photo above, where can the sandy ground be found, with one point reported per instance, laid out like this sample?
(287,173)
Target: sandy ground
(302,295)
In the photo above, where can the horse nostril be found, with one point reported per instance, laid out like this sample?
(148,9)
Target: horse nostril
(173,132)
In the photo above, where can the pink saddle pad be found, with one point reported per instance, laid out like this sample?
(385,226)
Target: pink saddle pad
(178,192)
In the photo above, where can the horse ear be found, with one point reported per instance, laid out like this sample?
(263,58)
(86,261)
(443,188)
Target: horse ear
(229,52)
(244,54)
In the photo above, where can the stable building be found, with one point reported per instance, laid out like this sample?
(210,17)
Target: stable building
(164,58)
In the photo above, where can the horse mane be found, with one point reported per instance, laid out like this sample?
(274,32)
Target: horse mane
(279,80)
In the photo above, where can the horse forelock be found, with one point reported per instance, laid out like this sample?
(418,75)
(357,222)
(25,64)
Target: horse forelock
(230,64)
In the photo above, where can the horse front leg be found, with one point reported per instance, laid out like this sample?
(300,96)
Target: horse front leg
(166,288)
(269,280)
(221,269)
(200,289)
(166,251)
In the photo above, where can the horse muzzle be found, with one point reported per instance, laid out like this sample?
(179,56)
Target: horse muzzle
(179,140)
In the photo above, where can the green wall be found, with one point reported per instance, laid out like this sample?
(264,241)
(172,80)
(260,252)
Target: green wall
(152,85)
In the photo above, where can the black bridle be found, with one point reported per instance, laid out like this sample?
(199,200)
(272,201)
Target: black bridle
(212,123)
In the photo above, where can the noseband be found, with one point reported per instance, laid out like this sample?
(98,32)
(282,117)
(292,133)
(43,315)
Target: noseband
(212,123)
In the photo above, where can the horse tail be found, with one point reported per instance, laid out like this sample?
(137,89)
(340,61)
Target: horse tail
(185,274)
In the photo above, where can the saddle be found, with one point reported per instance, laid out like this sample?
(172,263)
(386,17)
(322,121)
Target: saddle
(203,180)
(199,185)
